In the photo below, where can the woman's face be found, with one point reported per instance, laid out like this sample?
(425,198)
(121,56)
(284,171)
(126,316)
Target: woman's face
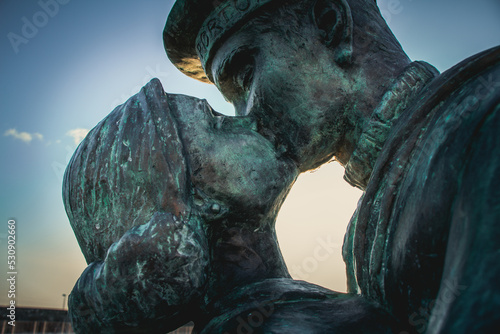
(236,173)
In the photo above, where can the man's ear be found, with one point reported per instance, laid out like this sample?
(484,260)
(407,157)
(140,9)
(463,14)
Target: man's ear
(334,21)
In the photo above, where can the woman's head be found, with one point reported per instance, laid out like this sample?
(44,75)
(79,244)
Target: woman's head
(172,153)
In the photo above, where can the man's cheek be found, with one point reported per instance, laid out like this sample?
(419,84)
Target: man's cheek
(277,97)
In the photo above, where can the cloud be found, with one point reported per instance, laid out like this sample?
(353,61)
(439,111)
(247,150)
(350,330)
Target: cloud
(23,136)
(78,134)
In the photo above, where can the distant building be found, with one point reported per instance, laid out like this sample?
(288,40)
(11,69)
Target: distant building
(48,321)
(36,320)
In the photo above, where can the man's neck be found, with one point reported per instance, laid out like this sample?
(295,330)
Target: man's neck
(405,88)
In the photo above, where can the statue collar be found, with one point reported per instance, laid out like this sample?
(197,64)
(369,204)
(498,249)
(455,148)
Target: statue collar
(395,101)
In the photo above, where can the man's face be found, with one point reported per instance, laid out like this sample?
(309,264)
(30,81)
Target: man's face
(289,82)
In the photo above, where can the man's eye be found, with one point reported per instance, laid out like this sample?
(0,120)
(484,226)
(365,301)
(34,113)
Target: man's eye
(244,77)
(236,74)
(242,67)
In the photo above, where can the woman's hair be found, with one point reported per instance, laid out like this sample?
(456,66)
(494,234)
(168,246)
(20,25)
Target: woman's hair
(129,166)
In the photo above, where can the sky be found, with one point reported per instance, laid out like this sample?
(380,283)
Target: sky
(65,64)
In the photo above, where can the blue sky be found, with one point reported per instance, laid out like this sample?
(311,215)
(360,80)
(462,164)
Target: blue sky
(85,57)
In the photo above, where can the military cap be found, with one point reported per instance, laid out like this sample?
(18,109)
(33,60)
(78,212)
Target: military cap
(194,28)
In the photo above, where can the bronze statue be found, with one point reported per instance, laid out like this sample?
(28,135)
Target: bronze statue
(155,189)
(327,78)
(174,207)
(174,204)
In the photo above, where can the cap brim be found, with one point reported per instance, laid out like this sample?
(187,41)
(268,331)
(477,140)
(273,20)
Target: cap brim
(179,36)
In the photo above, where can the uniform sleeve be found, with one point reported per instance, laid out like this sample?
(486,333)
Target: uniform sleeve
(469,297)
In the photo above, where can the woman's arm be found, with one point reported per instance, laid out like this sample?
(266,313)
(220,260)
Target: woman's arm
(147,281)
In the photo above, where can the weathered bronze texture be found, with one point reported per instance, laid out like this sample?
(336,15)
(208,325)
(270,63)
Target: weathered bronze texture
(170,202)
(327,79)
(174,205)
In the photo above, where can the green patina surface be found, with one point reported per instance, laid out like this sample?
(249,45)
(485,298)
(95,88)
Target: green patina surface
(174,205)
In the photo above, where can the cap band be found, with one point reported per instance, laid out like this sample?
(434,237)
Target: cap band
(220,21)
